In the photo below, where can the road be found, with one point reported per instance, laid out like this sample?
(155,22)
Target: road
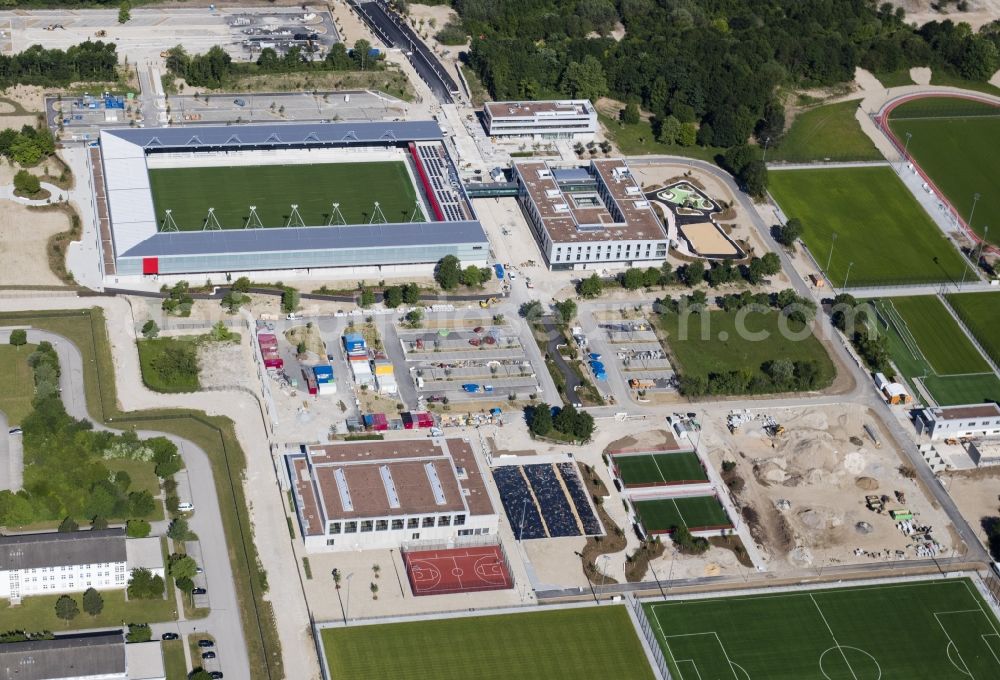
(223,622)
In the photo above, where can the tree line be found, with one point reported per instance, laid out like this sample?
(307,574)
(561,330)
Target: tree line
(718,64)
(87,62)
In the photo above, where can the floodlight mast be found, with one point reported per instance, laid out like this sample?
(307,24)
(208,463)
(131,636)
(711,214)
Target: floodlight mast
(336,217)
(212,222)
(377,215)
(294,218)
(168,221)
(253,219)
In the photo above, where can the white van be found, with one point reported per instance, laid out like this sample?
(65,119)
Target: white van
(185,507)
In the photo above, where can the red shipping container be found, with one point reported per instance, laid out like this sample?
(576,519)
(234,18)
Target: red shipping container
(380,421)
(409,422)
(425,419)
(273,363)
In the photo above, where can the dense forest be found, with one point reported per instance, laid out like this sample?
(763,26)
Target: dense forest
(87,62)
(717,63)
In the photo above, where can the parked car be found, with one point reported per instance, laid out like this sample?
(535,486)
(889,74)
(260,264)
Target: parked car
(205,643)
(215,675)
(14,430)
(208,655)
(198,591)
(185,506)
(169,636)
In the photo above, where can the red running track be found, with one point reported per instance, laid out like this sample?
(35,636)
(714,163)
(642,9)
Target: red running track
(460,570)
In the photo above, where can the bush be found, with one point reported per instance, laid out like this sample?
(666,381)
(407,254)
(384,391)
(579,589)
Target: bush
(27,184)
(686,543)
(137,528)
(453,33)
(139,632)
(289,300)
(448,272)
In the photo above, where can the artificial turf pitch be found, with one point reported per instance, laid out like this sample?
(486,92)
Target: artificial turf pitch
(955,142)
(880,227)
(694,512)
(231,190)
(660,468)
(928,630)
(565,644)
(980,312)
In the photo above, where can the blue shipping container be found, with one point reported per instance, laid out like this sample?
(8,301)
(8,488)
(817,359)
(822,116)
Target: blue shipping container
(498,268)
(354,341)
(324,373)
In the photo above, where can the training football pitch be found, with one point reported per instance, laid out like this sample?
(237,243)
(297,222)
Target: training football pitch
(926,630)
(694,512)
(955,142)
(564,644)
(926,342)
(879,226)
(189,192)
(980,312)
(660,468)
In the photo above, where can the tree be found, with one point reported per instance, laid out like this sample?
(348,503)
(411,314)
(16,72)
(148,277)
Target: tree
(93,603)
(566,310)
(472,276)
(289,300)
(591,287)
(19,337)
(179,529)
(585,79)
(27,184)
(583,427)
(392,297)
(181,566)
(781,371)
(185,584)
(98,523)
(144,585)
(374,588)
(150,330)
(686,543)
(753,178)
(241,285)
(361,54)
(541,419)
(68,526)
(67,608)
(531,310)
(669,130)
(694,273)
(414,317)
(630,114)
(411,293)
(789,232)
(367,298)
(688,135)
(141,503)
(633,279)
(565,420)
(167,459)
(771,264)
(738,157)
(124,13)
(139,632)
(448,272)
(199,674)
(137,528)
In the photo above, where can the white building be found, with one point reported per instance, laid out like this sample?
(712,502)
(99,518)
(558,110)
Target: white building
(144,661)
(590,218)
(562,119)
(43,564)
(145,553)
(381,494)
(99,656)
(957,422)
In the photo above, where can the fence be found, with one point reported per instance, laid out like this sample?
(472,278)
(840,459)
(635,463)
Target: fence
(647,630)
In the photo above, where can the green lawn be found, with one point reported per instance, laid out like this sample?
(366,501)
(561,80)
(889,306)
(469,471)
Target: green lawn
(39,612)
(638,139)
(695,512)
(170,364)
(190,192)
(941,77)
(929,630)
(142,473)
(880,227)
(895,78)
(567,644)
(173,660)
(725,347)
(18,382)
(935,350)
(826,132)
(955,142)
(980,312)
(660,468)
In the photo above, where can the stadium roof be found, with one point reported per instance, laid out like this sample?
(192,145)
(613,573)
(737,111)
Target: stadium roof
(276,239)
(97,655)
(278,134)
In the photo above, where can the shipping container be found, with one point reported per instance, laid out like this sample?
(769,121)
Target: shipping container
(310,381)
(354,342)
(380,422)
(323,372)
(498,268)
(383,368)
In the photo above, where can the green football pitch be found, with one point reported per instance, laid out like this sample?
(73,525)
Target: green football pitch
(660,468)
(694,512)
(980,312)
(879,226)
(564,644)
(926,342)
(955,142)
(927,630)
(189,192)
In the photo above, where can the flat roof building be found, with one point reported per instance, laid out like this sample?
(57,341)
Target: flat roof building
(958,422)
(594,217)
(557,119)
(100,656)
(381,494)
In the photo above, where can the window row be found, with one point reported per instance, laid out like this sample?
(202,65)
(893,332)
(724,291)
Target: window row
(368,525)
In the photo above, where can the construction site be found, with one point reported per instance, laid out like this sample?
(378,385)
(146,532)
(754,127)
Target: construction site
(822,486)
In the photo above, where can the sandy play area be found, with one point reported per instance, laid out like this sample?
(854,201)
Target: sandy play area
(803,492)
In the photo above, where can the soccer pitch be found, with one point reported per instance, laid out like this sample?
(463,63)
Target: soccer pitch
(660,468)
(926,342)
(980,312)
(880,227)
(955,142)
(564,644)
(189,192)
(929,630)
(694,512)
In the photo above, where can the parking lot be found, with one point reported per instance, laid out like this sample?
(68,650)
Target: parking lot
(631,348)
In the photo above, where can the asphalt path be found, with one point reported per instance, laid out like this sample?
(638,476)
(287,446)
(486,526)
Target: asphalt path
(223,621)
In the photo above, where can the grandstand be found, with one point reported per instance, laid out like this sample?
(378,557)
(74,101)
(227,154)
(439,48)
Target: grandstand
(374,197)
(546,500)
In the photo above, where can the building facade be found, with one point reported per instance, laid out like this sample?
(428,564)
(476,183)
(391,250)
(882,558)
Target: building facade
(956,422)
(560,119)
(381,494)
(45,564)
(590,218)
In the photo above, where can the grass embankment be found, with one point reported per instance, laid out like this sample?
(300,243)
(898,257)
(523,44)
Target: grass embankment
(39,612)
(879,226)
(214,434)
(827,132)
(173,660)
(19,386)
(170,365)
(638,140)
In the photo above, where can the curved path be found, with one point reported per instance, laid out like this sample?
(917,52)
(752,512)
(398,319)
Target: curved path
(7,191)
(223,621)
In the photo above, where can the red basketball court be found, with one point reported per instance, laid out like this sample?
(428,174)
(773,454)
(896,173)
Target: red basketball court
(459,570)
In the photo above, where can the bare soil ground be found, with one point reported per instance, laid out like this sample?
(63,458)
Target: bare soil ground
(977,494)
(29,97)
(227,364)
(23,260)
(803,492)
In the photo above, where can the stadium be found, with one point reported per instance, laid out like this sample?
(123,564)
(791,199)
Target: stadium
(361,197)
